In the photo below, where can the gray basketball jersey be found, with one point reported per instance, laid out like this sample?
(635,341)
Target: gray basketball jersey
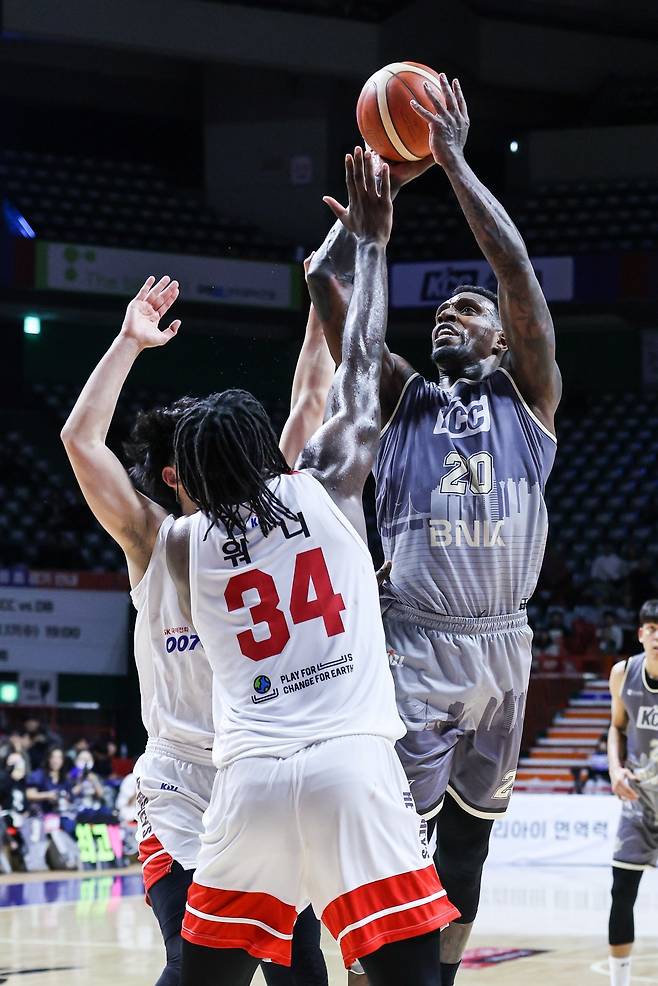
(641,704)
(460,496)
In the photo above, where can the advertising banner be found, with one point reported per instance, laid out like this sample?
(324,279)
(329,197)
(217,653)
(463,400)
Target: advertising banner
(213,280)
(545,829)
(76,631)
(426,285)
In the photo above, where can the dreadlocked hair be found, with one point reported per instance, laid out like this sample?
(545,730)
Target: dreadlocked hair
(150,448)
(226,451)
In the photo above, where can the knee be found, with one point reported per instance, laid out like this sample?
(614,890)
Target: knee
(625,885)
(462,839)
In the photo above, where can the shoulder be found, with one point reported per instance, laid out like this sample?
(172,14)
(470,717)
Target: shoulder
(501,379)
(416,393)
(617,675)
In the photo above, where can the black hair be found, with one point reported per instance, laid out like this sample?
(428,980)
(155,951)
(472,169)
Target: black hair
(226,451)
(151,447)
(475,289)
(649,612)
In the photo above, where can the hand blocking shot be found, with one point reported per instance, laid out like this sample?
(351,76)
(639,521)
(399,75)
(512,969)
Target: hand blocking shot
(310,803)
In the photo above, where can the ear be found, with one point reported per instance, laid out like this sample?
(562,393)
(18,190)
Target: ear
(169,476)
(640,634)
(500,344)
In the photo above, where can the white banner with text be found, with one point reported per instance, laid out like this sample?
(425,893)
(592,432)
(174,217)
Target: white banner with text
(213,280)
(75,631)
(545,829)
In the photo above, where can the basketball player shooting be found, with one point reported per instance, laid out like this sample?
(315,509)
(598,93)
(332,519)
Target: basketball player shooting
(460,478)
(175,774)
(310,801)
(633,765)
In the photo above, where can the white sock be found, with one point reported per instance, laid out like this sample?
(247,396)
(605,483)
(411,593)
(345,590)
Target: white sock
(620,971)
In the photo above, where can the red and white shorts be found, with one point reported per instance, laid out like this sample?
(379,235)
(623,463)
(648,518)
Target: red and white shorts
(174,785)
(334,825)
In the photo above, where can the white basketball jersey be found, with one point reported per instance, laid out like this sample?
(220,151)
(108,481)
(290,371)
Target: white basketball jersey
(175,678)
(292,629)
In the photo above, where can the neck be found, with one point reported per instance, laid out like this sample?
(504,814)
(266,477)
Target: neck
(450,372)
(651,666)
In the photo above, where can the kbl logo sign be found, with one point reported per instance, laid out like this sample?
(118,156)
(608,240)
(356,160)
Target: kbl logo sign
(460,420)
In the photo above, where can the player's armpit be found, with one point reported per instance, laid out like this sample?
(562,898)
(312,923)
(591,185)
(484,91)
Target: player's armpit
(129,517)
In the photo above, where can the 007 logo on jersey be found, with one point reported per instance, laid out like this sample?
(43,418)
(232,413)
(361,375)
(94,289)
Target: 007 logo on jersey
(460,420)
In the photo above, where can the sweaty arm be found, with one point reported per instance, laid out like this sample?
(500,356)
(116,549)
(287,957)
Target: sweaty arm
(330,281)
(619,774)
(129,517)
(524,314)
(342,453)
(313,375)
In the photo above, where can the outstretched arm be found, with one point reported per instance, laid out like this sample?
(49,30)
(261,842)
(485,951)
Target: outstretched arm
(313,375)
(129,517)
(331,278)
(342,453)
(524,314)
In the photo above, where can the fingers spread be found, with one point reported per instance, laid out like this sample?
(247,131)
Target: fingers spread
(338,210)
(448,94)
(459,96)
(157,289)
(435,98)
(421,111)
(167,298)
(145,288)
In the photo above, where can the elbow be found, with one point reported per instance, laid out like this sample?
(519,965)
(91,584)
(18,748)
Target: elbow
(70,438)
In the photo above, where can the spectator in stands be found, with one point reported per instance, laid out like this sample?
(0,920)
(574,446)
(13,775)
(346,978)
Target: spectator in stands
(598,776)
(126,803)
(556,632)
(82,743)
(609,568)
(587,607)
(12,784)
(87,789)
(104,754)
(48,789)
(16,743)
(40,739)
(642,583)
(610,634)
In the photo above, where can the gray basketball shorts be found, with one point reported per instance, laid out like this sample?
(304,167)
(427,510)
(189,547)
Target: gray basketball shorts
(636,845)
(461,688)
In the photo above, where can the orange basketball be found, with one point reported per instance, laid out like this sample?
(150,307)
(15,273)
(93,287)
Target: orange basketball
(385,118)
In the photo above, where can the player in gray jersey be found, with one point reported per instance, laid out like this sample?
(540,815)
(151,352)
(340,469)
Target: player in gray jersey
(633,765)
(460,480)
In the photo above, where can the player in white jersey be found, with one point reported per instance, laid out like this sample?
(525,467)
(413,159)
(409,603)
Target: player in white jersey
(175,774)
(310,801)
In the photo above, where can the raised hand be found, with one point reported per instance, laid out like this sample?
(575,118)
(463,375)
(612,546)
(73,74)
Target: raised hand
(449,123)
(143,314)
(369,212)
(401,172)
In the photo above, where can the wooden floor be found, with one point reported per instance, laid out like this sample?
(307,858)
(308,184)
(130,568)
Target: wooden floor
(97,931)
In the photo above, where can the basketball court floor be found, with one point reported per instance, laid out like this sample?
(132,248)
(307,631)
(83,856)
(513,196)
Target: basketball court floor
(537,925)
